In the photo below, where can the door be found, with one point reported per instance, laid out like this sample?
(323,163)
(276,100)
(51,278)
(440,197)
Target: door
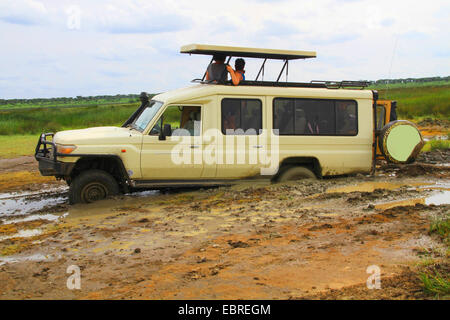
(383,112)
(177,155)
(240,128)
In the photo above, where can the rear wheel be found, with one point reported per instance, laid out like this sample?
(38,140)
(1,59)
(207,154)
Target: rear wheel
(92,185)
(296,173)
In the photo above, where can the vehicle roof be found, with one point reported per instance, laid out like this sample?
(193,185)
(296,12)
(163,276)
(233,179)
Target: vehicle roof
(247,52)
(199,91)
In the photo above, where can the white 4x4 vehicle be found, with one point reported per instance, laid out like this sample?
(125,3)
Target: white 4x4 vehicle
(213,133)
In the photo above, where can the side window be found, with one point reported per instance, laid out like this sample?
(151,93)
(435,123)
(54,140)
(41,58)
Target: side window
(183,121)
(242,116)
(314,117)
(283,119)
(346,118)
(381,112)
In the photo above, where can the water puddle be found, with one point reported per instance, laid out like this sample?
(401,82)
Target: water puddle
(34,217)
(435,137)
(33,257)
(27,202)
(371,186)
(23,234)
(14,195)
(437,198)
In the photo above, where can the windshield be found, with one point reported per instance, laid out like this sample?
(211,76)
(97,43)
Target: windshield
(141,121)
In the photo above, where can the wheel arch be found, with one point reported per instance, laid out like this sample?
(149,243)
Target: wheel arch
(311,163)
(111,164)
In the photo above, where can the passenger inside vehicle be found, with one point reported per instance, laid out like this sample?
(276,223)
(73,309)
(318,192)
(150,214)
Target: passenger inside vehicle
(229,121)
(346,118)
(313,126)
(193,124)
(300,121)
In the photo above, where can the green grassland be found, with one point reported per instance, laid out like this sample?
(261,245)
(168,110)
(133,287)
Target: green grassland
(24,122)
(20,129)
(23,104)
(13,146)
(420,101)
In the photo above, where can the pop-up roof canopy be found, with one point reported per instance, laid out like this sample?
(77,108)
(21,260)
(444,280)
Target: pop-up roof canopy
(265,54)
(247,52)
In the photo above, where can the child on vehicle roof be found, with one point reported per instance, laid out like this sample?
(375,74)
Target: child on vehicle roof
(238,75)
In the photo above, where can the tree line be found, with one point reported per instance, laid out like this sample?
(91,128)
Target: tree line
(130,98)
(411,80)
(75,100)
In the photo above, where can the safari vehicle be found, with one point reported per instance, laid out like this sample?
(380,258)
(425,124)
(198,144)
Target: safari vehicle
(214,134)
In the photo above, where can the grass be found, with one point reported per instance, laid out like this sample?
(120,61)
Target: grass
(67,102)
(441,226)
(435,284)
(420,101)
(25,122)
(433,145)
(17,145)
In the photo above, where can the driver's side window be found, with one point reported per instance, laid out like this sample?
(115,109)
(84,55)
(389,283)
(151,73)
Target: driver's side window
(183,121)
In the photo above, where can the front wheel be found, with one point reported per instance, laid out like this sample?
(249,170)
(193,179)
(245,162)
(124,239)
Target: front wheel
(296,173)
(92,185)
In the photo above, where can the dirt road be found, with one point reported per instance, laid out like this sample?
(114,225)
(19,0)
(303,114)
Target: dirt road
(303,240)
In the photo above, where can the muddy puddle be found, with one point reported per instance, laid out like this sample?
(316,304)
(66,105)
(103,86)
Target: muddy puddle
(372,186)
(33,257)
(17,203)
(436,198)
(435,137)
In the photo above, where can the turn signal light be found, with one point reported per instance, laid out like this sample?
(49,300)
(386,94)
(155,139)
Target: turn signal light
(65,149)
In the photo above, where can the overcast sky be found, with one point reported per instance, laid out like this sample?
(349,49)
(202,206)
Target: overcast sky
(69,48)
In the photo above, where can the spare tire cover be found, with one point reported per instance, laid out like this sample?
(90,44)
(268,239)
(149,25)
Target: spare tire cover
(400,141)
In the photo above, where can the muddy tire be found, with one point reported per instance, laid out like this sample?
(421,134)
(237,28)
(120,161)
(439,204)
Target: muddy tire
(92,185)
(296,173)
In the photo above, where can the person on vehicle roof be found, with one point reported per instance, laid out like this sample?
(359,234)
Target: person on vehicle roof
(238,75)
(216,71)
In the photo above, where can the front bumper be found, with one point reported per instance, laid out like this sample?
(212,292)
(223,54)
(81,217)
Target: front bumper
(46,155)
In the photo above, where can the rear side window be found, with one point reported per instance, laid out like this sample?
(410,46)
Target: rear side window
(241,116)
(315,117)
(381,116)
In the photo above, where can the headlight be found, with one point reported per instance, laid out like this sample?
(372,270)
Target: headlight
(65,149)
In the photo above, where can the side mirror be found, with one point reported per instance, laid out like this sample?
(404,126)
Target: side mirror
(166,132)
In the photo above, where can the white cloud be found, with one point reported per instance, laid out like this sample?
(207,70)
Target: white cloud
(23,12)
(130,46)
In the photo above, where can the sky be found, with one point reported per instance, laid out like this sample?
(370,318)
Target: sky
(60,48)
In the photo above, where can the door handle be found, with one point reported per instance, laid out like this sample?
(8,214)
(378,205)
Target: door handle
(258,147)
(195,147)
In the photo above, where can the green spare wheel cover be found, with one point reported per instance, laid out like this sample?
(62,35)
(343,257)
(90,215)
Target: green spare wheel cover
(400,141)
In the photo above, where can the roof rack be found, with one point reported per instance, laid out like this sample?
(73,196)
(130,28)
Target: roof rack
(270,84)
(342,84)
(313,84)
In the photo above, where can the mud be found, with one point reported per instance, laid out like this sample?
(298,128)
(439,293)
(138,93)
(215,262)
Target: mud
(302,240)
(429,122)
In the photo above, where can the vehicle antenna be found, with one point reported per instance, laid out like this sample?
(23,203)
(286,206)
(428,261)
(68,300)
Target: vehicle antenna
(390,67)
